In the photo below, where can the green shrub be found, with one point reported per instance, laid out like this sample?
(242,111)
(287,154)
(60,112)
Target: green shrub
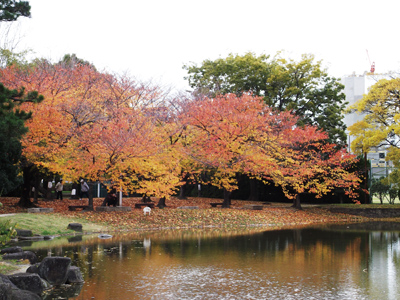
(7,231)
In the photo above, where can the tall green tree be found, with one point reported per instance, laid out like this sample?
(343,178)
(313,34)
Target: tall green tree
(233,74)
(301,86)
(12,119)
(11,10)
(12,128)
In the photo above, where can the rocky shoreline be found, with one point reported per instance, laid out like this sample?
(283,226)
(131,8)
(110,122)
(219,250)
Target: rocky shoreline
(39,280)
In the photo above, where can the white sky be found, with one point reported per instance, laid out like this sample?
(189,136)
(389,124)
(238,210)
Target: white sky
(152,39)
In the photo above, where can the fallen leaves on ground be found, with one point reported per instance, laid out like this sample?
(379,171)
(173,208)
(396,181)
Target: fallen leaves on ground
(274,215)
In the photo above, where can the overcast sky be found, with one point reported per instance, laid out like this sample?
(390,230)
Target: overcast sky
(153,39)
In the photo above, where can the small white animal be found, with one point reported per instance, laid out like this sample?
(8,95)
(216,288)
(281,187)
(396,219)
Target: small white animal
(146,210)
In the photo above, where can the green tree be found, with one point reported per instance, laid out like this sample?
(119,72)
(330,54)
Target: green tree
(11,10)
(393,192)
(12,129)
(303,87)
(380,189)
(8,58)
(234,74)
(12,119)
(71,60)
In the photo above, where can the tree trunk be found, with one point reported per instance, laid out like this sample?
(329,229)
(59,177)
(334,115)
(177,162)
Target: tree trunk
(161,203)
(36,186)
(182,192)
(25,200)
(146,199)
(367,199)
(227,199)
(183,188)
(296,202)
(253,190)
(90,192)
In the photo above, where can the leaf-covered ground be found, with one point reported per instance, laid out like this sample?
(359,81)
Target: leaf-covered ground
(273,215)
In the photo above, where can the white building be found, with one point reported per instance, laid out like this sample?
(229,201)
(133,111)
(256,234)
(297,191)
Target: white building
(355,86)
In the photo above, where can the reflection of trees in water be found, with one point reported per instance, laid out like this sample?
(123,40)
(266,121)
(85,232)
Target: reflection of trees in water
(381,239)
(269,241)
(319,257)
(308,242)
(185,244)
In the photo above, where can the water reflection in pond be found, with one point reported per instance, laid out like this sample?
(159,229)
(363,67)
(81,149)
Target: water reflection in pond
(335,262)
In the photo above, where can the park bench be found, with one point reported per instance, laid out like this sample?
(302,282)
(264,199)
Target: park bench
(215,204)
(141,204)
(75,207)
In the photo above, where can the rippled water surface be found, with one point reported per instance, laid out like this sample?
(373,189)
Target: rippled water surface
(333,262)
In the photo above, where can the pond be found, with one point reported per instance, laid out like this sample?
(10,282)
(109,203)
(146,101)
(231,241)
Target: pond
(359,261)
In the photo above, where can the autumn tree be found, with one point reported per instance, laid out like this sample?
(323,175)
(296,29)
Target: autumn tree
(380,125)
(233,135)
(33,77)
(216,131)
(169,118)
(97,126)
(315,166)
(302,87)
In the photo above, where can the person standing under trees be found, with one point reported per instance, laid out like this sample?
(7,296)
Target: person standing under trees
(84,189)
(59,189)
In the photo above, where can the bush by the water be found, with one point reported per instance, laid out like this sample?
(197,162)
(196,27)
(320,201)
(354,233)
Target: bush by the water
(7,231)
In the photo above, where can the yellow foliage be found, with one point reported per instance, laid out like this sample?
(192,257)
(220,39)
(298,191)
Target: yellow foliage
(381,109)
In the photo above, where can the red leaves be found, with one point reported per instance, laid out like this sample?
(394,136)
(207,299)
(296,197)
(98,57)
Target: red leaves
(231,135)
(104,127)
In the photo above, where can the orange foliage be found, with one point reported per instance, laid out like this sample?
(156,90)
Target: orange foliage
(97,126)
(231,135)
(104,127)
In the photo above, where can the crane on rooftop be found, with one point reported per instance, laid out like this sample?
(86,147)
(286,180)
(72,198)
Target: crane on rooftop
(372,70)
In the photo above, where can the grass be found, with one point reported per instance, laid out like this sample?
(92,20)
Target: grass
(50,224)
(8,267)
(363,206)
(11,266)
(273,214)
